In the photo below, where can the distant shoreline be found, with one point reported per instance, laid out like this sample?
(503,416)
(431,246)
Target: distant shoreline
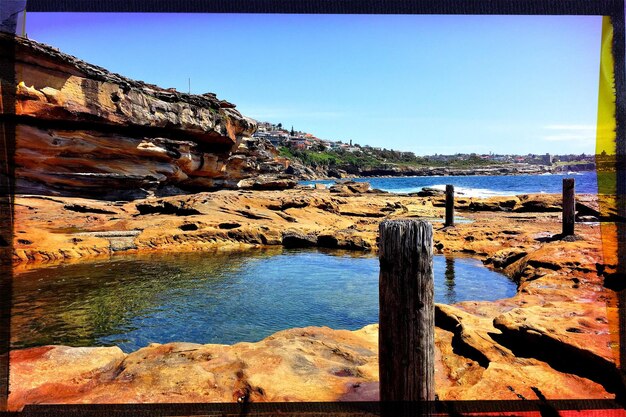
(435,172)
(307,173)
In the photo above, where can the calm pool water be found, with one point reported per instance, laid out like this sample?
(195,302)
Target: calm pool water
(217,297)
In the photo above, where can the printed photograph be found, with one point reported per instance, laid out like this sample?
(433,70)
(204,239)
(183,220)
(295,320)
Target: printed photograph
(245,208)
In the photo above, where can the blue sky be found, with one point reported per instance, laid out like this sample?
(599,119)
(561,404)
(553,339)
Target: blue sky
(427,84)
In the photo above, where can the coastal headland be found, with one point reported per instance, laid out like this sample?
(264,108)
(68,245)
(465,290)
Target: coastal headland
(105,165)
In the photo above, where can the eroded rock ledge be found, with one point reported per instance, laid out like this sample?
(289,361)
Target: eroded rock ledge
(84,131)
(558,336)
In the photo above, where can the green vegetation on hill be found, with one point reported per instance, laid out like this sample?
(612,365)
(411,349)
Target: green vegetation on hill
(330,158)
(377,158)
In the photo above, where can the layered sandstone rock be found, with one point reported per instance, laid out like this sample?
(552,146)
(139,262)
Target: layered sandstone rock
(82,130)
(306,364)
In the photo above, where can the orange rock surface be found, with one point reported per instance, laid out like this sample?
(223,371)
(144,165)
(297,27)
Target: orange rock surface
(557,335)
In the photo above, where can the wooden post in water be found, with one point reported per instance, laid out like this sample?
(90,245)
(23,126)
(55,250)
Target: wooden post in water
(406,338)
(569,207)
(449,205)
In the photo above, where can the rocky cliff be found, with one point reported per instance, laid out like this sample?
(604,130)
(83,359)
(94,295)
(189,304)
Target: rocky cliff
(82,130)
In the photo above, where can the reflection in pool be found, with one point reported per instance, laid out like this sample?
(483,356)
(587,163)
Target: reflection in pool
(217,297)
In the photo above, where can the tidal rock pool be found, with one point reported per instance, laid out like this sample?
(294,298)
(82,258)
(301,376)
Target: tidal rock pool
(216,297)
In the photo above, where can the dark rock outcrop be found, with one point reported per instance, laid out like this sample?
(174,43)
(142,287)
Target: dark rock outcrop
(350,187)
(430,192)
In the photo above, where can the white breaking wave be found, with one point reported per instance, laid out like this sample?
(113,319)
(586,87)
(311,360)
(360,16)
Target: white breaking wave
(326,184)
(458,191)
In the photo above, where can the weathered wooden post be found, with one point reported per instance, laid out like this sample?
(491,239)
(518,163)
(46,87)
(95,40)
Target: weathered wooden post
(449,205)
(450,283)
(569,206)
(407,315)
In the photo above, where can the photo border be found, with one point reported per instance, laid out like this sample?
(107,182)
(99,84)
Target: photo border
(612,8)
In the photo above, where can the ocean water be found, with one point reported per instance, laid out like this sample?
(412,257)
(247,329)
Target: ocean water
(483,185)
(217,298)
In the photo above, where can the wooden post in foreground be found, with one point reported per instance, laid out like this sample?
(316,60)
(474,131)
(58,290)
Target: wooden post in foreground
(569,206)
(407,313)
(449,205)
